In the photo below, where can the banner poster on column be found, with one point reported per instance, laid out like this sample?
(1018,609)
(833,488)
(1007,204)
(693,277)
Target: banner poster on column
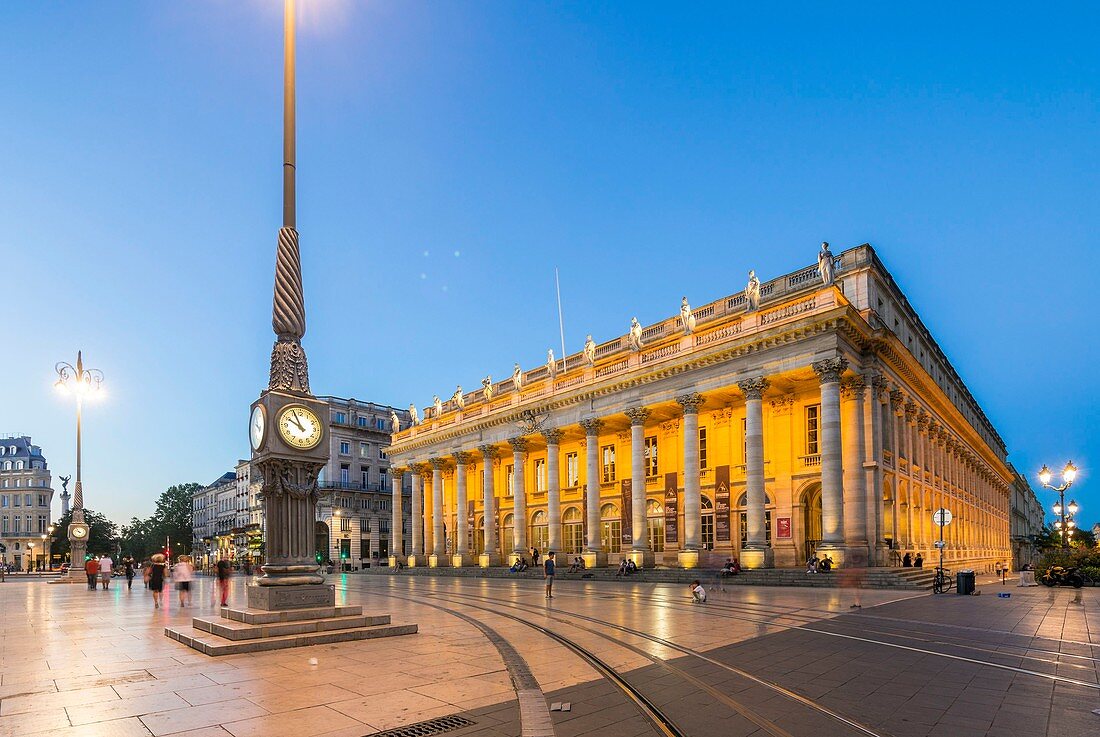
(783,528)
(672,509)
(627,515)
(722,504)
(584,513)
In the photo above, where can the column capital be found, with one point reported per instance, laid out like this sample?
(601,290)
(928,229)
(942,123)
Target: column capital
(591,426)
(754,388)
(879,385)
(417,468)
(519,445)
(553,436)
(462,458)
(852,387)
(896,398)
(637,415)
(830,369)
(911,411)
(690,402)
(924,421)
(397,471)
(488,452)
(437,463)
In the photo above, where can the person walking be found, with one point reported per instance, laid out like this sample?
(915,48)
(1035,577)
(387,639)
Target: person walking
(548,574)
(128,569)
(105,570)
(91,570)
(183,574)
(156,573)
(223,572)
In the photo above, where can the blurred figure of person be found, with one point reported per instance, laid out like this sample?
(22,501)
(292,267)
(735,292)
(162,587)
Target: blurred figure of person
(548,574)
(184,573)
(825,564)
(534,556)
(145,571)
(223,572)
(812,563)
(622,568)
(851,575)
(105,569)
(907,561)
(128,569)
(698,593)
(918,562)
(91,570)
(154,577)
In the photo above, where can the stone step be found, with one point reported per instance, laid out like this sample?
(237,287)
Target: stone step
(211,644)
(263,616)
(234,630)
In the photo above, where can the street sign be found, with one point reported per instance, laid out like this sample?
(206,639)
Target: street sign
(940,544)
(941,517)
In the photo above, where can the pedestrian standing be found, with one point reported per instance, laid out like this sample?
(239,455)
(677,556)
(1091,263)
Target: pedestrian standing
(548,574)
(128,569)
(105,568)
(156,573)
(183,573)
(91,570)
(223,572)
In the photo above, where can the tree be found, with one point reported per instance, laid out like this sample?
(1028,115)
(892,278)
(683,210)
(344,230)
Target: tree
(172,518)
(101,535)
(139,539)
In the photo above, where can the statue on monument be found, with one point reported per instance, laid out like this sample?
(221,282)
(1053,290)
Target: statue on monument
(551,364)
(64,484)
(414,414)
(687,319)
(590,351)
(458,398)
(634,337)
(517,377)
(752,292)
(487,388)
(437,407)
(395,422)
(825,264)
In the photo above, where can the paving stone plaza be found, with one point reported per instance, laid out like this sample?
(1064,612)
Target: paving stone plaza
(604,658)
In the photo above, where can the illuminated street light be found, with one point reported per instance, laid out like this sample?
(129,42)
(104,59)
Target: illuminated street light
(1069,475)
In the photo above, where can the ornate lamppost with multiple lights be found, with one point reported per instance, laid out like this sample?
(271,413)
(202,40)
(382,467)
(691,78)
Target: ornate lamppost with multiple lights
(83,383)
(1065,513)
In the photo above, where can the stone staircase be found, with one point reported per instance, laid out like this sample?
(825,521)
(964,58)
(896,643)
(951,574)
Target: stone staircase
(902,579)
(255,630)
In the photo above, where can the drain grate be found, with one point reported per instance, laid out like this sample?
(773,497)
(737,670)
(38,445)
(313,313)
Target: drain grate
(428,728)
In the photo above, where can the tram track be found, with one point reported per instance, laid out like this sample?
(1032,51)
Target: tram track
(753,715)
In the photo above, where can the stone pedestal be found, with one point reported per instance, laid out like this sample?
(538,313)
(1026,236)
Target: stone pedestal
(393,559)
(642,558)
(594,558)
(488,560)
(688,559)
(438,561)
(278,598)
(757,558)
(462,560)
(416,560)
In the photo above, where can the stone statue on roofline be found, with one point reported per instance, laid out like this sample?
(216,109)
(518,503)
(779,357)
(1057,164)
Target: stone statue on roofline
(634,337)
(487,388)
(825,264)
(687,319)
(551,364)
(414,414)
(752,292)
(458,398)
(517,377)
(590,351)
(395,422)
(437,407)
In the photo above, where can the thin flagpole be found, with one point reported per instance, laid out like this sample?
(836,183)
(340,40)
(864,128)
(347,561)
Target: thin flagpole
(561,321)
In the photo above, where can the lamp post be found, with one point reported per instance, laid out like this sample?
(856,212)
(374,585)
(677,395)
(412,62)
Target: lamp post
(30,565)
(83,384)
(1065,521)
(48,537)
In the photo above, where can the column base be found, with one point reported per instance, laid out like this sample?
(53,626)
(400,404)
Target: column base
(642,558)
(438,561)
(687,559)
(462,560)
(415,561)
(757,558)
(393,560)
(594,558)
(835,551)
(280,598)
(488,560)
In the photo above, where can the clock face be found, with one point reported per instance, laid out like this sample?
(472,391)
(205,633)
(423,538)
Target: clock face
(79,532)
(257,426)
(299,427)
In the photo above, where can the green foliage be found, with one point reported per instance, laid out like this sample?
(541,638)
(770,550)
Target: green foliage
(171,520)
(101,535)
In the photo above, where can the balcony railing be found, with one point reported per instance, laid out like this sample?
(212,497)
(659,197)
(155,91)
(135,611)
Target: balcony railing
(355,486)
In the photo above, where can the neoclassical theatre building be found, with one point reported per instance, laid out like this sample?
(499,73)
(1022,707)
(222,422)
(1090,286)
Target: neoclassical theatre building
(810,413)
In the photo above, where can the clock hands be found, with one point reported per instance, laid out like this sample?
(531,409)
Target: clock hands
(297,421)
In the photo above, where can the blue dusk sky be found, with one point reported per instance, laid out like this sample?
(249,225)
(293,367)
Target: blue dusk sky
(452,154)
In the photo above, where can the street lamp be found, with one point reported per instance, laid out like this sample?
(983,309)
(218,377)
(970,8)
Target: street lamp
(1069,475)
(30,565)
(83,384)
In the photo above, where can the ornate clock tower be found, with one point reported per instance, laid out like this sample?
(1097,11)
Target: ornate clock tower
(288,425)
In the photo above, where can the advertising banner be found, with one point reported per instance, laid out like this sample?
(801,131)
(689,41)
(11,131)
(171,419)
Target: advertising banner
(783,528)
(627,516)
(722,504)
(672,509)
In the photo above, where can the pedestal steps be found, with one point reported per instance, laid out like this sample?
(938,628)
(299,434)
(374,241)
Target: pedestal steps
(255,630)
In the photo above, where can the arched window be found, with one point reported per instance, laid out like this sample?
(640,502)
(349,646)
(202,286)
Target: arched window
(540,532)
(572,531)
(655,525)
(742,506)
(508,533)
(7,465)
(611,529)
(19,465)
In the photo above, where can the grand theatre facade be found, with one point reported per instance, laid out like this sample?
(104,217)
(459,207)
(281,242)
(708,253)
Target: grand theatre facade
(824,420)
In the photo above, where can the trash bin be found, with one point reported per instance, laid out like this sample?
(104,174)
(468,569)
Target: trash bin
(964,582)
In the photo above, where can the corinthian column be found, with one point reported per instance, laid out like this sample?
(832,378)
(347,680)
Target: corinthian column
(756,553)
(519,501)
(640,551)
(438,557)
(553,488)
(689,556)
(397,526)
(461,555)
(491,556)
(832,468)
(594,554)
(416,558)
(855,479)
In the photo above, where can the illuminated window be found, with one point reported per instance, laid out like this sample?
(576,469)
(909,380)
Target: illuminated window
(650,454)
(702,447)
(813,429)
(608,454)
(572,470)
(540,474)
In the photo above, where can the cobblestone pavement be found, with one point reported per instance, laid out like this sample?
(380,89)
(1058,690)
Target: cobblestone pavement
(605,659)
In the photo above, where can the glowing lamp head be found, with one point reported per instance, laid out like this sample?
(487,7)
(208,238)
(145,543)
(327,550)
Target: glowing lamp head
(1072,507)
(1069,473)
(1057,508)
(1057,524)
(1045,475)
(1071,524)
